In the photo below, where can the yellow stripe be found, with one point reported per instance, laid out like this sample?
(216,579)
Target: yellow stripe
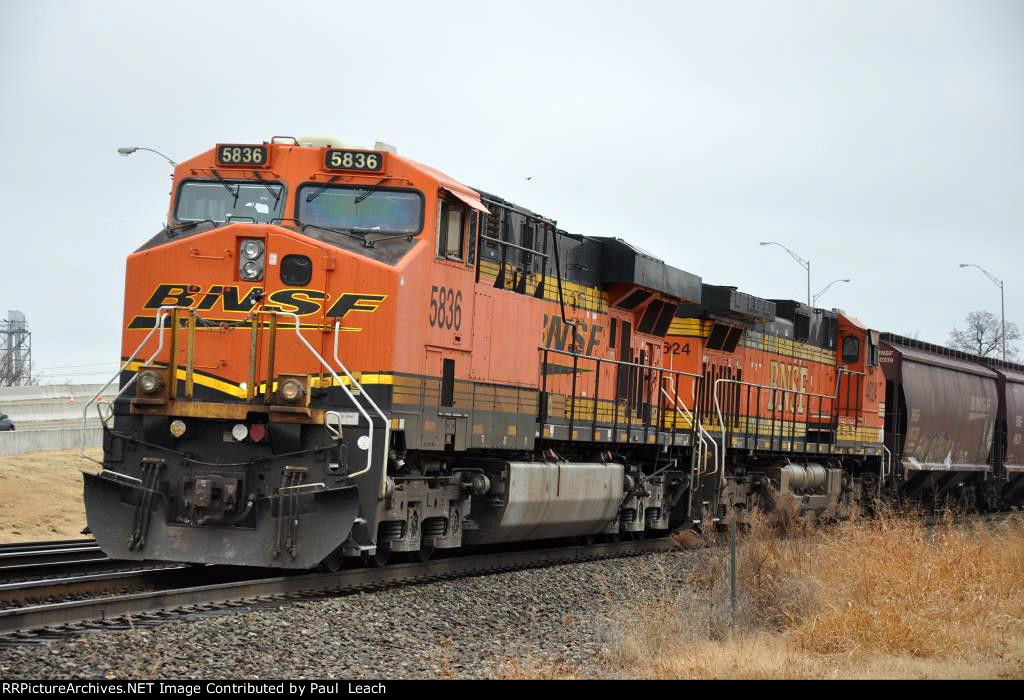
(690,327)
(237,391)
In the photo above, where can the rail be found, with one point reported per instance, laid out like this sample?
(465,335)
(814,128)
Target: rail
(789,397)
(373,405)
(697,471)
(633,391)
(161,316)
(193,318)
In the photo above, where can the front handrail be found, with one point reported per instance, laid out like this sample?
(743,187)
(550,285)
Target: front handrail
(373,405)
(162,313)
(160,324)
(335,377)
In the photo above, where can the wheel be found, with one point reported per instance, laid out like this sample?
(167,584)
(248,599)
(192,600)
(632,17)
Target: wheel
(379,558)
(332,562)
(420,556)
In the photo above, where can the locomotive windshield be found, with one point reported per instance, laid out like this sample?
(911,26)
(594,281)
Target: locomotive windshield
(361,209)
(223,200)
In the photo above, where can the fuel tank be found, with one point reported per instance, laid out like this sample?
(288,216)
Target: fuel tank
(544,500)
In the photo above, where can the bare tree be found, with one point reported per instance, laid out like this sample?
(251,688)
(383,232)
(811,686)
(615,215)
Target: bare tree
(983,335)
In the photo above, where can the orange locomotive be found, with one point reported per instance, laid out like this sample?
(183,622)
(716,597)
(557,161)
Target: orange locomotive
(334,351)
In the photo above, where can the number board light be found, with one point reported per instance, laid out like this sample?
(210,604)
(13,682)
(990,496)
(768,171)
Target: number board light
(245,155)
(369,161)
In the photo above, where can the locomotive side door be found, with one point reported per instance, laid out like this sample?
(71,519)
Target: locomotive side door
(446,408)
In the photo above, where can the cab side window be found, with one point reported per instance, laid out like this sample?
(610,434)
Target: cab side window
(450,231)
(851,349)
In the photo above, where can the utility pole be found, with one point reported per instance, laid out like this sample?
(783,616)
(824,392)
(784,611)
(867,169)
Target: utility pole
(1002,298)
(15,351)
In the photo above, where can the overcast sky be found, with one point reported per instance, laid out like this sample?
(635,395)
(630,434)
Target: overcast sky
(884,141)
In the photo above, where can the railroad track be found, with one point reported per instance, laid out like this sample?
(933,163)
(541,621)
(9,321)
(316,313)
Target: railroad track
(174,601)
(22,564)
(30,561)
(28,554)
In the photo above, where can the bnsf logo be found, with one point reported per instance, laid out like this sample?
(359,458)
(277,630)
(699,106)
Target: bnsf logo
(231,298)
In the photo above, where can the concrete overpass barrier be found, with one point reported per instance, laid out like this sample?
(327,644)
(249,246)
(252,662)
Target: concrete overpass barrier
(20,441)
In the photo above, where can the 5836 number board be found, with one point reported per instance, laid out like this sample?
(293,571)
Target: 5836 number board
(241,154)
(353,160)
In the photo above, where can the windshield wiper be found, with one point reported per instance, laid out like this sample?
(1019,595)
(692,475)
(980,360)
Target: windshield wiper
(344,231)
(234,193)
(313,195)
(276,194)
(369,191)
(173,231)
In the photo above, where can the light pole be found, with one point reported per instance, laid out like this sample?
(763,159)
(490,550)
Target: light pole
(827,287)
(128,150)
(806,264)
(1002,298)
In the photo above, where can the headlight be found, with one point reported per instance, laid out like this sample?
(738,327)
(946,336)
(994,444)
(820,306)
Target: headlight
(291,390)
(251,271)
(150,382)
(252,249)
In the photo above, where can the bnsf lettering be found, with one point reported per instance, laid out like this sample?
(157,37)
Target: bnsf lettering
(232,302)
(171,295)
(557,335)
(355,302)
(792,378)
(302,302)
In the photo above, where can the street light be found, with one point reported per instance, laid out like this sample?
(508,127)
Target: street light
(1002,298)
(806,264)
(827,287)
(128,150)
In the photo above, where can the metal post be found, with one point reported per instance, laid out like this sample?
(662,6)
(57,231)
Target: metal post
(732,571)
(808,282)
(1002,304)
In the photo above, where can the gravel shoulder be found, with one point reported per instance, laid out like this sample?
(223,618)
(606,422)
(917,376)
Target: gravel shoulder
(539,620)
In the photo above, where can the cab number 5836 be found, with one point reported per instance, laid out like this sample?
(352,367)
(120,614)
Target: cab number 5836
(445,308)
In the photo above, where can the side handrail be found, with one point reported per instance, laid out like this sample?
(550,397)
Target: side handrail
(702,435)
(624,363)
(886,473)
(161,316)
(721,418)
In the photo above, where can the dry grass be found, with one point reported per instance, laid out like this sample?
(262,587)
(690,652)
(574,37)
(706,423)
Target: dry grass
(871,598)
(41,495)
(885,598)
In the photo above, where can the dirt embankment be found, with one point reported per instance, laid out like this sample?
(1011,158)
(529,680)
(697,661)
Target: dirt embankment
(41,495)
